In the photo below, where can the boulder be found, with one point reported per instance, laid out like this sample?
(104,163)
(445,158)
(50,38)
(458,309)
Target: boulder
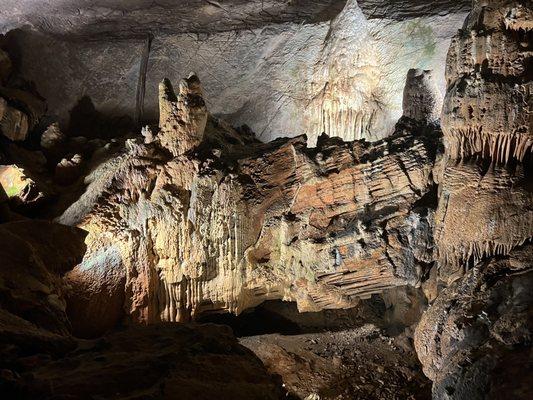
(19,187)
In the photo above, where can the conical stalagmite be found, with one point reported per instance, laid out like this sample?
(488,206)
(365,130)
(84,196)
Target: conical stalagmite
(182,118)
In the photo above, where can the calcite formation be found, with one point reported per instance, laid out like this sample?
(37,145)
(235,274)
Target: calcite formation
(484,206)
(422,99)
(488,105)
(39,358)
(475,336)
(226,222)
(473,341)
(284,68)
(19,187)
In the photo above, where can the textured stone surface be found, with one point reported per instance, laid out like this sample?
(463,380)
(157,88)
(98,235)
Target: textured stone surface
(484,207)
(235,222)
(40,359)
(487,110)
(476,335)
(163,362)
(34,255)
(20,188)
(13,122)
(319,66)
(422,99)
(474,340)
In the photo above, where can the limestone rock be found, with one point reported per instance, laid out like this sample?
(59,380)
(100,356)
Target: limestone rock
(481,214)
(488,102)
(52,137)
(68,170)
(474,337)
(19,187)
(196,232)
(166,362)
(422,99)
(485,208)
(13,123)
(40,359)
(95,293)
(6,66)
(182,119)
(285,68)
(34,255)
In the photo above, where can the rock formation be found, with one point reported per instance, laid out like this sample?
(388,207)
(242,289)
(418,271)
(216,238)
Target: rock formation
(40,359)
(425,232)
(473,338)
(284,68)
(199,230)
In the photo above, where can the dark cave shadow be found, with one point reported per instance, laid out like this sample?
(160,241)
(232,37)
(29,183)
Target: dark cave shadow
(87,121)
(276,316)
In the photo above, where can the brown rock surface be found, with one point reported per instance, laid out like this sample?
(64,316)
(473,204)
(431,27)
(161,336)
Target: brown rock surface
(484,207)
(13,122)
(488,105)
(228,229)
(474,340)
(20,187)
(161,361)
(472,337)
(34,255)
(39,358)
(351,364)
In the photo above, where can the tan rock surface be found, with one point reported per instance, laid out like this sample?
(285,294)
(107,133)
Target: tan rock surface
(40,359)
(19,186)
(488,105)
(228,228)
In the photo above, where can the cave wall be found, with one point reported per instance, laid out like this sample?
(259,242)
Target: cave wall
(332,67)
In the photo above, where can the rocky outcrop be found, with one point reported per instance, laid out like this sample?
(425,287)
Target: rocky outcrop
(484,206)
(35,254)
(475,338)
(19,187)
(422,99)
(40,359)
(13,123)
(488,102)
(226,222)
(284,68)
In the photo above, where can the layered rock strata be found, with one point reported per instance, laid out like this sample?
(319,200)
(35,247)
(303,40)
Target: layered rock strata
(203,218)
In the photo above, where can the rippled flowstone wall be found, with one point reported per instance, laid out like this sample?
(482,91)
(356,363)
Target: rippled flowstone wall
(474,340)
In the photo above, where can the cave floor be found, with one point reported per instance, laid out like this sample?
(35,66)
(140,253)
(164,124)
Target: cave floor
(360,363)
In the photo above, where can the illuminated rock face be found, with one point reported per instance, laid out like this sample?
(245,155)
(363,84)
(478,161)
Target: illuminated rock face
(485,198)
(231,223)
(474,337)
(488,103)
(291,68)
